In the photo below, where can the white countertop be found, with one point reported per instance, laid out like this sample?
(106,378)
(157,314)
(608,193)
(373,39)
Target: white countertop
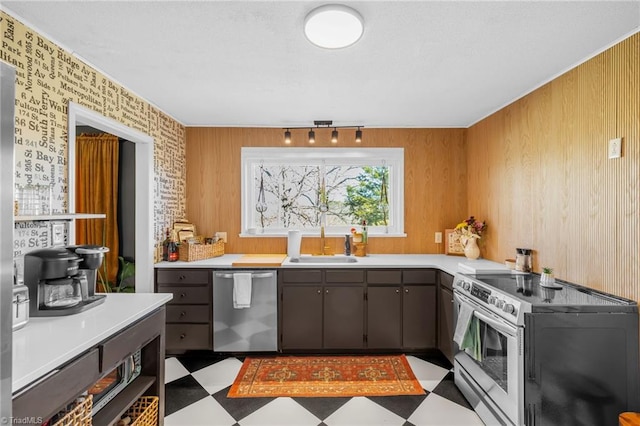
(446,263)
(47,343)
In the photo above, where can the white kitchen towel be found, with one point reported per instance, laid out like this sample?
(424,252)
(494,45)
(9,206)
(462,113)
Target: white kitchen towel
(464,317)
(242,290)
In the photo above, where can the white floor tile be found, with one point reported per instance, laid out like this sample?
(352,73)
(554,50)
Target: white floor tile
(280,412)
(438,411)
(429,375)
(173,370)
(206,412)
(219,375)
(362,411)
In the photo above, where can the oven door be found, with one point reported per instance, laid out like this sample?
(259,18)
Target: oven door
(494,382)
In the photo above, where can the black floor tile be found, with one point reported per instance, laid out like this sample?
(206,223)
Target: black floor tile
(194,361)
(402,405)
(434,357)
(408,423)
(447,389)
(181,393)
(322,407)
(239,408)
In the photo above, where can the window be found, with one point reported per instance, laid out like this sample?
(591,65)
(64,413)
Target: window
(303,188)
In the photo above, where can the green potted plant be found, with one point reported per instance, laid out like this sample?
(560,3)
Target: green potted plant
(547,277)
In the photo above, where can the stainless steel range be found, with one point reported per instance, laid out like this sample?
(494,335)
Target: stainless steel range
(533,355)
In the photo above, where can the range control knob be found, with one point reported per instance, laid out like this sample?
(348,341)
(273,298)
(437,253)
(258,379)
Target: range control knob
(492,300)
(499,304)
(508,308)
(466,285)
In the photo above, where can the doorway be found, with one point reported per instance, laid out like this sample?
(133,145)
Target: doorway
(143,223)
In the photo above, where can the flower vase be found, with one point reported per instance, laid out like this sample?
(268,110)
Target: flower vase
(471,249)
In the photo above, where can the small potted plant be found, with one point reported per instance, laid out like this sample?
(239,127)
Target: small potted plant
(547,278)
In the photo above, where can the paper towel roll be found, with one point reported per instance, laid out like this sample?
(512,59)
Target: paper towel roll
(294,238)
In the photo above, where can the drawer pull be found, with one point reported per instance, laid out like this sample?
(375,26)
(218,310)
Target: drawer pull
(182,314)
(397,291)
(183,295)
(182,277)
(319,291)
(406,290)
(182,336)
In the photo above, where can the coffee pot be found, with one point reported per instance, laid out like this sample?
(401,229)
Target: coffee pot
(57,284)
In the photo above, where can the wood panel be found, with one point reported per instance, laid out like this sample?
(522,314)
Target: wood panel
(538,172)
(435,184)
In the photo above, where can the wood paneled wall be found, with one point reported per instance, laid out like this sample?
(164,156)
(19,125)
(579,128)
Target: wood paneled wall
(538,172)
(435,184)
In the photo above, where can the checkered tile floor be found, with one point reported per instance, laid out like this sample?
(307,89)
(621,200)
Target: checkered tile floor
(197,386)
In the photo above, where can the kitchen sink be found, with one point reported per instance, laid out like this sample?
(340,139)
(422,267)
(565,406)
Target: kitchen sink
(324,259)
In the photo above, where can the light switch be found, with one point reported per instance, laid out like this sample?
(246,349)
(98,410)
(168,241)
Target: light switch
(615,148)
(57,234)
(438,237)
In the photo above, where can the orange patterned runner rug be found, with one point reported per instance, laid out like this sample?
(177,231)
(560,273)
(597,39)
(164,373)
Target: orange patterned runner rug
(325,376)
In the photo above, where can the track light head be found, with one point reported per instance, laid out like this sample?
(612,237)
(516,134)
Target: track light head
(312,136)
(287,137)
(358,135)
(334,136)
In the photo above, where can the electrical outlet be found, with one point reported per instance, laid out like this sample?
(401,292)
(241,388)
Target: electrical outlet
(615,148)
(57,234)
(222,236)
(438,237)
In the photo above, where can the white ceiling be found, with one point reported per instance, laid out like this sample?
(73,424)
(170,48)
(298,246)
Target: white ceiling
(418,64)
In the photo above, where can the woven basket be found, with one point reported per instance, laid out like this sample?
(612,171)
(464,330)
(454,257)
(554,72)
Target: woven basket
(191,252)
(144,412)
(80,415)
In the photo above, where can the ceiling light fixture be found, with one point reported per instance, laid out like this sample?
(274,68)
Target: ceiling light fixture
(326,124)
(333,26)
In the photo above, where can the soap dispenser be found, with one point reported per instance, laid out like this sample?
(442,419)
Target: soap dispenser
(347,245)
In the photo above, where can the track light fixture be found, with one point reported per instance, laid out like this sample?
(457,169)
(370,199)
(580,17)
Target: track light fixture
(323,124)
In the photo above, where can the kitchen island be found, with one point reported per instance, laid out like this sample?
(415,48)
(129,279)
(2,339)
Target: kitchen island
(57,358)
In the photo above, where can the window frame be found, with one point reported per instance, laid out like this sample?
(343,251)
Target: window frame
(392,157)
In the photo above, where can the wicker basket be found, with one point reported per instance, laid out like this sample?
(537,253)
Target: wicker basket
(80,415)
(144,412)
(191,252)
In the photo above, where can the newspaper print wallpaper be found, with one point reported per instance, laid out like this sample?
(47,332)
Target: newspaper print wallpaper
(47,78)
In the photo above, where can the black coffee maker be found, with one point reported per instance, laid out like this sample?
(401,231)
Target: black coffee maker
(59,282)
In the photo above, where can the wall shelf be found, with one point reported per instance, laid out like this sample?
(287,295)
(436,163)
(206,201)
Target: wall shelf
(59,216)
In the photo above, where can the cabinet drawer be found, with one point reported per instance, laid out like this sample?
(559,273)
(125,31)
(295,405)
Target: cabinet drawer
(301,276)
(419,276)
(188,313)
(375,276)
(128,341)
(182,276)
(58,389)
(189,336)
(197,295)
(344,276)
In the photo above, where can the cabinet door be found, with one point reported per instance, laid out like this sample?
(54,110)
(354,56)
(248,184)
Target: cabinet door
(384,317)
(344,317)
(445,323)
(419,316)
(301,322)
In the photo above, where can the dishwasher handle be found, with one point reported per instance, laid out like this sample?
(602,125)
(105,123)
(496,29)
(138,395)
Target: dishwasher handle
(253,275)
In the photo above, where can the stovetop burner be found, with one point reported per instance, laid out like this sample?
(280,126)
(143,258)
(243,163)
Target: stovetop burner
(527,288)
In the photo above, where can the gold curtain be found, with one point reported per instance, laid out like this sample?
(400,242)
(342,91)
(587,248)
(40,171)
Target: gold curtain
(97,192)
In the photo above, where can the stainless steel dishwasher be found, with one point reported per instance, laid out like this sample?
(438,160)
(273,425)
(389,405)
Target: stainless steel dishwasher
(252,327)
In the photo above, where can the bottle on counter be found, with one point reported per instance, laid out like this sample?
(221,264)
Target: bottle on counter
(347,245)
(165,246)
(365,236)
(173,248)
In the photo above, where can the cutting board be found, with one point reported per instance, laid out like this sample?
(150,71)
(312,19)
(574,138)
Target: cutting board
(259,260)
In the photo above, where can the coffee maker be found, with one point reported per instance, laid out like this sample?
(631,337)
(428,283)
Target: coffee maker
(60,282)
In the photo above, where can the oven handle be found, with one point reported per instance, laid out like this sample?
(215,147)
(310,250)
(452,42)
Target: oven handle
(498,325)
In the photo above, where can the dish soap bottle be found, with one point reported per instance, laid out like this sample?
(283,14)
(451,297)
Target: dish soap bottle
(347,245)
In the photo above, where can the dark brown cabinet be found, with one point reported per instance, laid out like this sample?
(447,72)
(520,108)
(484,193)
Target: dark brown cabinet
(321,309)
(445,317)
(384,316)
(189,313)
(418,316)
